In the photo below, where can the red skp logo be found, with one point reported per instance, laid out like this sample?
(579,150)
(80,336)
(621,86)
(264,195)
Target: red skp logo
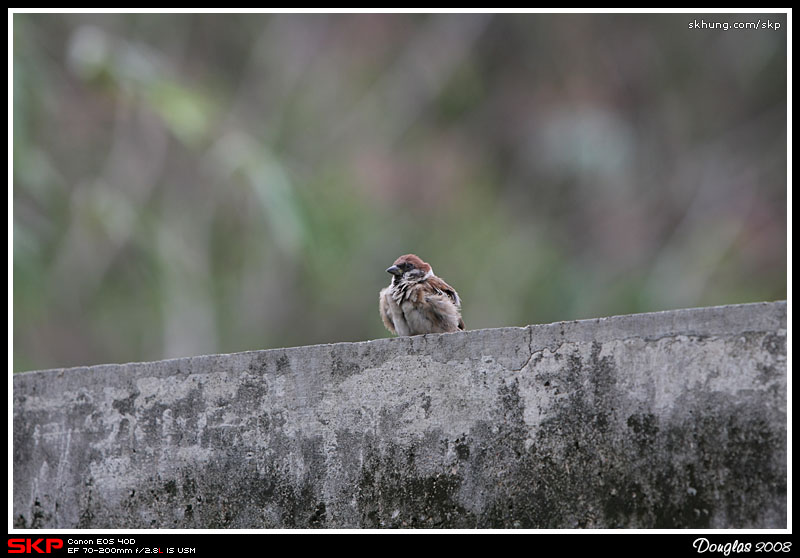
(29,546)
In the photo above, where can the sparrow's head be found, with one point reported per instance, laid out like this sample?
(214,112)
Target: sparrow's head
(409,267)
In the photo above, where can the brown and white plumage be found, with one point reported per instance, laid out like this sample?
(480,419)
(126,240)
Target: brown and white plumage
(417,301)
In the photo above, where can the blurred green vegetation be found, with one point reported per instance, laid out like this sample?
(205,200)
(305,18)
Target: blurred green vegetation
(193,184)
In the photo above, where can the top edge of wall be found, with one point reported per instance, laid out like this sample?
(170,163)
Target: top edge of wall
(710,320)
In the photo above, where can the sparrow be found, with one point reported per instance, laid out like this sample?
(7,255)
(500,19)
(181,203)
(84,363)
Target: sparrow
(417,301)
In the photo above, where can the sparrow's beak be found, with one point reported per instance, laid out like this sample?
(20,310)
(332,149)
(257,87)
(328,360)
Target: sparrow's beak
(394,270)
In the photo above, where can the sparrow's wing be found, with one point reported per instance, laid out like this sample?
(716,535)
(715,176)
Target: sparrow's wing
(440,286)
(440,303)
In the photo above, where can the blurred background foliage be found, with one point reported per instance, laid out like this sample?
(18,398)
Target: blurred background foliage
(191,184)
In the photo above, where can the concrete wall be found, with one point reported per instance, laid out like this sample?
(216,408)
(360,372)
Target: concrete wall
(671,419)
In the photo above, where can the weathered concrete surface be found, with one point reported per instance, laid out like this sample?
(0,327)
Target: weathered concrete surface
(671,419)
